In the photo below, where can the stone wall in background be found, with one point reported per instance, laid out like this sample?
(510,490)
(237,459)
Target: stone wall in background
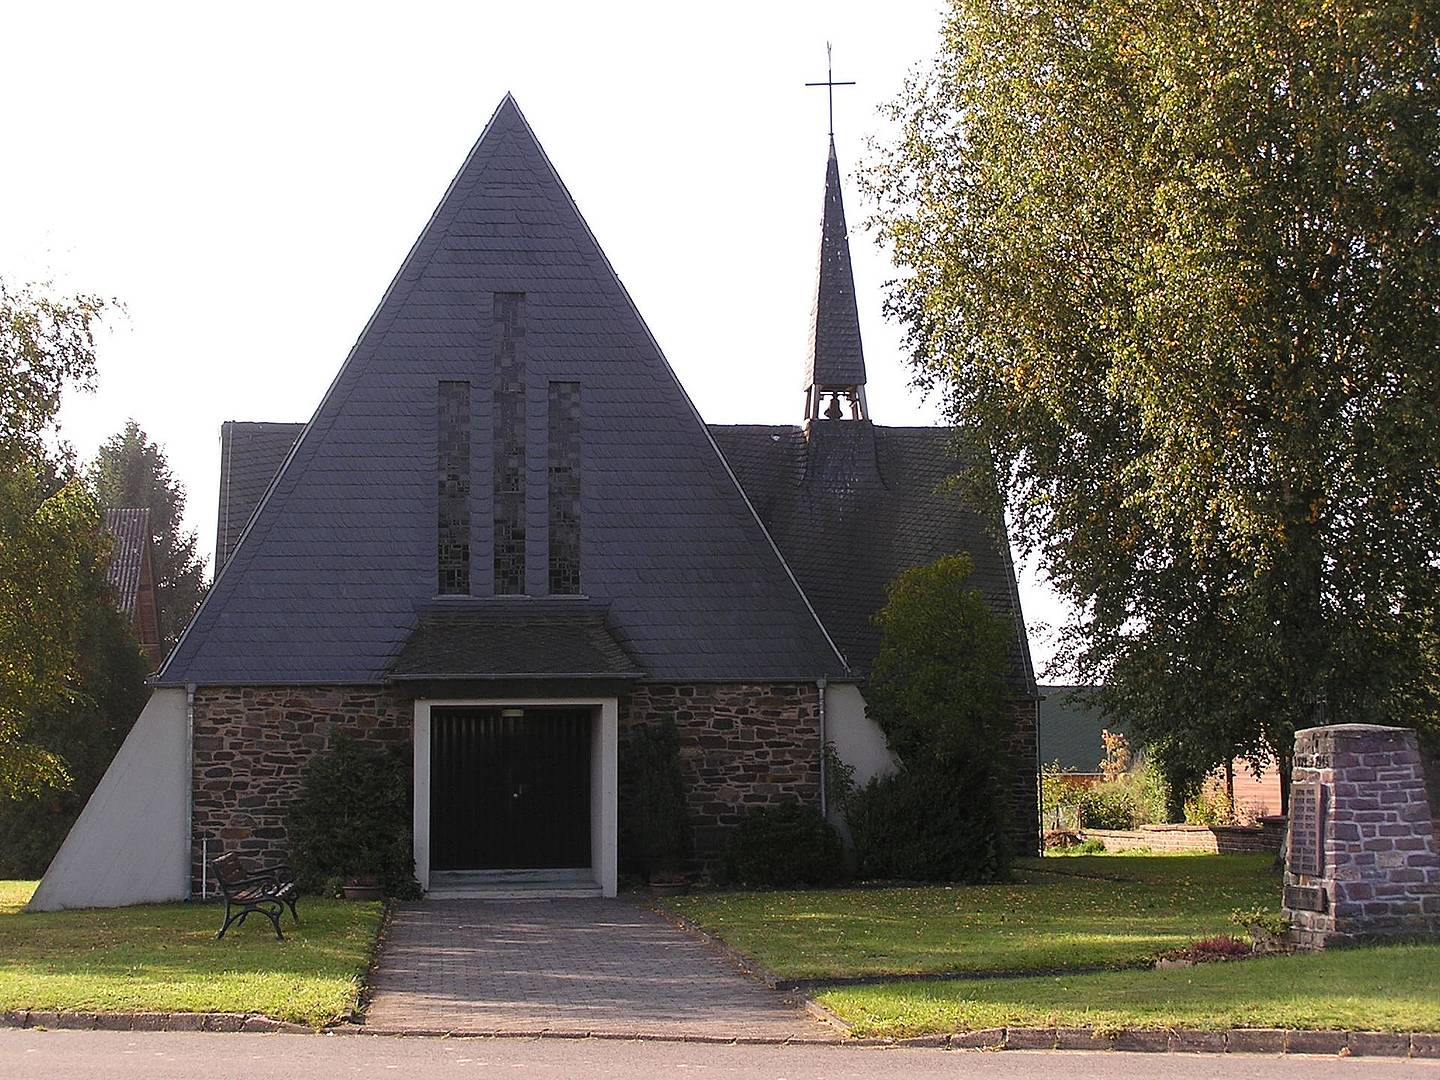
(1211,839)
(251,745)
(1363,860)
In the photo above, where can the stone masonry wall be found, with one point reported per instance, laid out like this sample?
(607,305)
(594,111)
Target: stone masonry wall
(741,746)
(745,746)
(1021,749)
(253,742)
(1377,860)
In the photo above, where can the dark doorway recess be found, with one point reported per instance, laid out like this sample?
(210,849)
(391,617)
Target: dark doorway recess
(509,788)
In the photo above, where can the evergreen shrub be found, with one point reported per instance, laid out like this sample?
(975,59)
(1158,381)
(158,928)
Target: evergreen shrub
(929,824)
(354,817)
(785,845)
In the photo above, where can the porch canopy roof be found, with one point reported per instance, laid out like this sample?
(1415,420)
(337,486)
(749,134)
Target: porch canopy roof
(514,640)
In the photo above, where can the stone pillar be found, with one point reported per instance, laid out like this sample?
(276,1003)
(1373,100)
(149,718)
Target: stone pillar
(1363,861)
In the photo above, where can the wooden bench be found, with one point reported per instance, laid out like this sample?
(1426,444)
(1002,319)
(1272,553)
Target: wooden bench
(269,891)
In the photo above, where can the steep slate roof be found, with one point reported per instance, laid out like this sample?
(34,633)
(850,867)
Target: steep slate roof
(854,505)
(836,355)
(340,556)
(130,529)
(250,456)
(1070,728)
(491,639)
(850,508)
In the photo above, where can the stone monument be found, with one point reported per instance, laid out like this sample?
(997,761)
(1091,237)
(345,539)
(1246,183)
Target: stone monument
(1363,861)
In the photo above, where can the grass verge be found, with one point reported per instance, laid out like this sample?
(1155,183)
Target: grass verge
(164,958)
(1387,988)
(1042,921)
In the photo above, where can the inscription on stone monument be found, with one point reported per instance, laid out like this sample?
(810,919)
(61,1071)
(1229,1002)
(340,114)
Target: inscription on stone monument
(1363,861)
(1307,824)
(1305,898)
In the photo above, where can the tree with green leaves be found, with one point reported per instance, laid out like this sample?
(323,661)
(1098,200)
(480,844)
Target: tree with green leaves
(1176,269)
(79,734)
(131,470)
(52,555)
(49,556)
(937,688)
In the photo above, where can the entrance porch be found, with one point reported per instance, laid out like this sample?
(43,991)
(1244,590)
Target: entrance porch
(516,797)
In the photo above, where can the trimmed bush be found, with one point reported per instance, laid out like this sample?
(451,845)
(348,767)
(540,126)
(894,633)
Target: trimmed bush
(785,845)
(354,817)
(929,825)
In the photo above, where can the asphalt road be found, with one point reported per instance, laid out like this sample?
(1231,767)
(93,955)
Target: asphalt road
(69,1055)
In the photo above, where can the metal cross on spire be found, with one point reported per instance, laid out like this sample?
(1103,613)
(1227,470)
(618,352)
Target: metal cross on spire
(830,85)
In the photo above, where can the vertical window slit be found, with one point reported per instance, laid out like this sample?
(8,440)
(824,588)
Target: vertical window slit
(509,355)
(563,473)
(452,550)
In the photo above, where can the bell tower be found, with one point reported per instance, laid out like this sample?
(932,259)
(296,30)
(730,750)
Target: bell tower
(835,373)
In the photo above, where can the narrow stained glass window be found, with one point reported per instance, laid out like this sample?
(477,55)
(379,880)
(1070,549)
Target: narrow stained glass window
(452,549)
(564,488)
(509,353)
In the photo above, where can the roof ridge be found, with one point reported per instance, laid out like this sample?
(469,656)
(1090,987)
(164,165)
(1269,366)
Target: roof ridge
(391,292)
(685,394)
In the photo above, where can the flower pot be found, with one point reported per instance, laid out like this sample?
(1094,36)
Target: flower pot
(669,885)
(363,887)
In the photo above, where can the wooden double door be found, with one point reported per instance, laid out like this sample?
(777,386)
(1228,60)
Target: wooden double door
(510,788)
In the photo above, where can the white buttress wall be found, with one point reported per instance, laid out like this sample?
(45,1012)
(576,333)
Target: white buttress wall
(131,843)
(858,740)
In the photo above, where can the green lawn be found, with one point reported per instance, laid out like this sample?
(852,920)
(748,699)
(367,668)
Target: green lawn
(1051,917)
(1391,988)
(164,958)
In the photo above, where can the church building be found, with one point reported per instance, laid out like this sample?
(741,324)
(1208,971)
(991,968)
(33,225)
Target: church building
(505,538)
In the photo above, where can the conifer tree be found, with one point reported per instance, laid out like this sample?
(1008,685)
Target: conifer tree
(131,470)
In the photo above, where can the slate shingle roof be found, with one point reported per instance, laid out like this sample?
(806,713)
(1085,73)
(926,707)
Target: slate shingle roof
(850,509)
(836,355)
(130,529)
(491,639)
(854,505)
(250,456)
(341,553)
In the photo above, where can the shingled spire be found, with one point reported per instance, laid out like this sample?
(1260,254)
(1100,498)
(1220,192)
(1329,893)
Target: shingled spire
(837,361)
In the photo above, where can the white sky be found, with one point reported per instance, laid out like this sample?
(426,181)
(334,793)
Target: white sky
(247,178)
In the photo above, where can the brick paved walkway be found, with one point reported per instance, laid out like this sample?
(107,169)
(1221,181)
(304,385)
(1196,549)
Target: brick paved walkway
(566,966)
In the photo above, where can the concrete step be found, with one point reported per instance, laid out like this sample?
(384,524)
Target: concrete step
(513,885)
